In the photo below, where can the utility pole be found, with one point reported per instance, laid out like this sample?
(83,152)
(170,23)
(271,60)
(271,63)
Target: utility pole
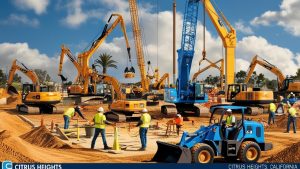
(174,41)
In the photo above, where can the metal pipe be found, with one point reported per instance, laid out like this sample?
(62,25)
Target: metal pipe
(174,41)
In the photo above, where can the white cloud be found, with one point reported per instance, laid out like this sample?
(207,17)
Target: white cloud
(32,58)
(15,19)
(281,57)
(39,6)
(240,26)
(75,15)
(287,17)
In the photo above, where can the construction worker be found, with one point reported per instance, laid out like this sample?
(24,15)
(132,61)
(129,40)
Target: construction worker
(70,114)
(178,122)
(99,124)
(292,119)
(229,123)
(144,124)
(272,109)
(230,119)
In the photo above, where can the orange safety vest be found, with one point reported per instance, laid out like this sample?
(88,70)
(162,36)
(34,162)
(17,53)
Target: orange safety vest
(178,120)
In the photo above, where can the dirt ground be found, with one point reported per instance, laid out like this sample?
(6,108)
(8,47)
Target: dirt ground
(35,148)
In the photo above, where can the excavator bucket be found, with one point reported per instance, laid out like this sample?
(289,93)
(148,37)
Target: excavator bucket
(12,90)
(170,153)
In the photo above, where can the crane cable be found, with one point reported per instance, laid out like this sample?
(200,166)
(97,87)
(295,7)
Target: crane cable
(204,35)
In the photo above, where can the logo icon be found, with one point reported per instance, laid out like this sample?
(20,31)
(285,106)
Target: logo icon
(7,165)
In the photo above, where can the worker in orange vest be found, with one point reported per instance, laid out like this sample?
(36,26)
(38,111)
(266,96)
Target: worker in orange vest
(178,122)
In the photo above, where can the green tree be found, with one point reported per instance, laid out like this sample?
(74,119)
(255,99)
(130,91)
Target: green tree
(297,77)
(2,78)
(105,61)
(240,76)
(17,78)
(42,75)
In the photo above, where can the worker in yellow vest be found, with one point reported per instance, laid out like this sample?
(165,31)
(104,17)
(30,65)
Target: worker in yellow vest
(230,119)
(292,119)
(99,124)
(229,123)
(70,114)
(144,124)
(272,110)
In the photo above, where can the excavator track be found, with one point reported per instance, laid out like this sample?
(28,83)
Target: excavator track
(169,110)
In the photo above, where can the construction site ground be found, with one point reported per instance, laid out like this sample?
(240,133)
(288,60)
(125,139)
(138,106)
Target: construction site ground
(16,144)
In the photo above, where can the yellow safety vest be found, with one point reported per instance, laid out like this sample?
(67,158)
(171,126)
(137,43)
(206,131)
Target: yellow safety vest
(70,112)
(292,111)
(146,118)
(99,120)
(272,107)
(229,120)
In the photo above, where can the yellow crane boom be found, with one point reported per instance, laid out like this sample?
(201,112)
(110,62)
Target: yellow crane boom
(137,35)
(228,35)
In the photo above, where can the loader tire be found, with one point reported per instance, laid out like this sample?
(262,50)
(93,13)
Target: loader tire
(202,153)
(249,152)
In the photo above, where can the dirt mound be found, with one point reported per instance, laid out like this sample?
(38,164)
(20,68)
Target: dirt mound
(4,134)
(12,148)
(42,137)
(288,155)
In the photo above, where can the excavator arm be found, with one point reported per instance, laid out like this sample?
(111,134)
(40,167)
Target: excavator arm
(228,36)
(115,83)
(66,51)
(212,65)
(28,72)
(157,85)
(272,68)
(85,56)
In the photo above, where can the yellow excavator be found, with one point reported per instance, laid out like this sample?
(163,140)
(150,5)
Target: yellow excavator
(122,109)
(85,82)
(285,84)
(35,97)
(238,94)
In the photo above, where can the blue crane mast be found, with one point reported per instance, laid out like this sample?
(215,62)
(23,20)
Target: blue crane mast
(186,92)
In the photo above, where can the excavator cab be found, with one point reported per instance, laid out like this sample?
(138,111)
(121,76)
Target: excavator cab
(129,72)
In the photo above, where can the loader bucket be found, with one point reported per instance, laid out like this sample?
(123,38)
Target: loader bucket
(12,90)
(170,153)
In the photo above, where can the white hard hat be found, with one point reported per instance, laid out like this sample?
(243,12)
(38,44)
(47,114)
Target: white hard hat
(144,110)
(229,110)
(291,93)
(100,109)
(178,115)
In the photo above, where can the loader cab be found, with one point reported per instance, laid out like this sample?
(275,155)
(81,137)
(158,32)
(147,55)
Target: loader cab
(219,119)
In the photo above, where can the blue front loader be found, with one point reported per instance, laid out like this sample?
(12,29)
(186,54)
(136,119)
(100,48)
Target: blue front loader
(244,141)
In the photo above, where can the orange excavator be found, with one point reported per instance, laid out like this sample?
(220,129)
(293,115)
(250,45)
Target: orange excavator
(35,97)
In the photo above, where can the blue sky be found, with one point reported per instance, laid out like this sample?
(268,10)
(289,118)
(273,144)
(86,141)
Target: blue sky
(43,24)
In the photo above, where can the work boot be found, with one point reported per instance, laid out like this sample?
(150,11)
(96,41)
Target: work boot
(142,149)
(286,132)
(107,148)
